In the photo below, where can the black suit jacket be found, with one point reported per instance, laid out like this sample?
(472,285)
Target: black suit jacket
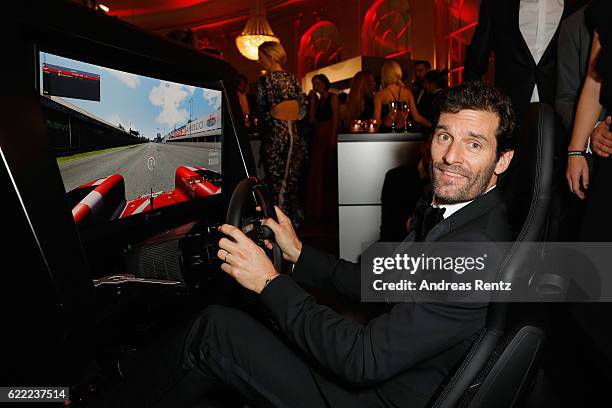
(516,72)
(405,353)
(573,53)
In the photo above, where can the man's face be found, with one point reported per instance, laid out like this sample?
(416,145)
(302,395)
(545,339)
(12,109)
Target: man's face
(318,86)
(371,81)
(419,72)
(464,162)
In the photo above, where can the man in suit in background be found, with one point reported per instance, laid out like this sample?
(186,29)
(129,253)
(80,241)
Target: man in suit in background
(573,50)
(316,357)
(522,34)
(435,83)
(247,101)
(421,68)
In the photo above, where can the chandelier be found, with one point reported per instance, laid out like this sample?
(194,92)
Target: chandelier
(256,31)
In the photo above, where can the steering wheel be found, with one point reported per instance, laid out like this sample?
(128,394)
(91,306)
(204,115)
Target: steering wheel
(254,187)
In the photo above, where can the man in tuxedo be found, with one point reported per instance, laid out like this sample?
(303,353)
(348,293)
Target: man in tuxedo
(522,34)
(315,357)
(421,68)
(247,101)
(573,50)
(435,83)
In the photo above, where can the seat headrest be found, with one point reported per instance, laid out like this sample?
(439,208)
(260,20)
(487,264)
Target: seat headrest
(527,186)
(527,192)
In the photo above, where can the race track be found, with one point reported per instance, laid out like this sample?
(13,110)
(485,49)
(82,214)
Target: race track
(131,163)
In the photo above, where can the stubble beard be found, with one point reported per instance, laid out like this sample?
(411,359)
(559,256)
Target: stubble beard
(475,185)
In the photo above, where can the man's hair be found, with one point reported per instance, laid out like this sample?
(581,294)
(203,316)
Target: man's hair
(424,62)
(478,96)
(437,77)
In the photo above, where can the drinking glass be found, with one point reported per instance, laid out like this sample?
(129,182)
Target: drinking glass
(393,108)
(405,109)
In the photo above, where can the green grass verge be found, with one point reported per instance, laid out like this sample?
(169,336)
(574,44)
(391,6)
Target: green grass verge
(92,153)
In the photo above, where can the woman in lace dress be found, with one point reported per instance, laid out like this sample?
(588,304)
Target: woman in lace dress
(283,149)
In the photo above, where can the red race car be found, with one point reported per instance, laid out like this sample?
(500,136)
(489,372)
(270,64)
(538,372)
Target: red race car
(104,199)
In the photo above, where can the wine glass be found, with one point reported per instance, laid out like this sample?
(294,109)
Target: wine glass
(393,108)
(405,109)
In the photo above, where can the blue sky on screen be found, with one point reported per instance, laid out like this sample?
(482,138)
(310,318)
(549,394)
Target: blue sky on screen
(146,104)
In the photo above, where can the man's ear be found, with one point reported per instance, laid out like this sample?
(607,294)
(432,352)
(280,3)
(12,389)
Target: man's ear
(504,161)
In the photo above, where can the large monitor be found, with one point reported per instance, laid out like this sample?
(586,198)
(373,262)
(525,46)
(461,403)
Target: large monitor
(127,144)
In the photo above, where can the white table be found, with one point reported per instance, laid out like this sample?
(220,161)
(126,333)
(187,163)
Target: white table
(363,161)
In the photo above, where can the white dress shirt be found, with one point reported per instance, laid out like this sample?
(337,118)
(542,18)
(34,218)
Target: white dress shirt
(538,22)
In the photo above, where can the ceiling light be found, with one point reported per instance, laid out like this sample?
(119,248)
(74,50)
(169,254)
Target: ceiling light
(256,31)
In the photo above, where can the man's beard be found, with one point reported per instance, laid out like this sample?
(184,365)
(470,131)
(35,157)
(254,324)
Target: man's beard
(475,185)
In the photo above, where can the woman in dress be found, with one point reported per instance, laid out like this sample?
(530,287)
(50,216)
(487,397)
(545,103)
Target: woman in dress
(596,95)
(321,190)
(360,102)
(394,90)
(283,149)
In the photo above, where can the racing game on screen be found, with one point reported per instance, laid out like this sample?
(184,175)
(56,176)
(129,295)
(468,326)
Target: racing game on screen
(127,144)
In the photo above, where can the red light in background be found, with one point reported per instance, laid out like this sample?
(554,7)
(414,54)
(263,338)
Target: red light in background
(319,46)
(157,8)
(397,54)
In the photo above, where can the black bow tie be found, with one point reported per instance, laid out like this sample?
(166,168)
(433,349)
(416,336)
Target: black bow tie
(425,218)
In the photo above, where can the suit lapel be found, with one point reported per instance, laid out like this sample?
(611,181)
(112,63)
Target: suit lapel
(475,209)
(553,41)
(470,212)
(514,8)
(438,231)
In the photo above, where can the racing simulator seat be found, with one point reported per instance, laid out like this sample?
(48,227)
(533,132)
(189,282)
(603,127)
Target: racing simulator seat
(499,367)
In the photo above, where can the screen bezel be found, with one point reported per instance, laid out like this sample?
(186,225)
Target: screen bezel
(35,183)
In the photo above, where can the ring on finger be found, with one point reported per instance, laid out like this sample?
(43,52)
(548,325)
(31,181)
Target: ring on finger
(225,259)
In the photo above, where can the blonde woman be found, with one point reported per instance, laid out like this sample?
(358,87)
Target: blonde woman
(394,90)
(283,149)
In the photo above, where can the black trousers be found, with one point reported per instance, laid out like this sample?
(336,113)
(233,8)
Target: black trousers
(225,346)
(597,223)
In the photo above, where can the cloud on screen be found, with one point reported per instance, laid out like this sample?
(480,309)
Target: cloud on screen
(213,98)
(169,97)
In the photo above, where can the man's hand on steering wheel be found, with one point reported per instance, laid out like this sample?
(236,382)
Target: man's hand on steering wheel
(284,235)
(244,260)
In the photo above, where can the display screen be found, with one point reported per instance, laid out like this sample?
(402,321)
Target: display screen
(127,144)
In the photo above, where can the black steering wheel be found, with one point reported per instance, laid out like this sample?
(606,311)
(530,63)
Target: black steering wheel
(235,216)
